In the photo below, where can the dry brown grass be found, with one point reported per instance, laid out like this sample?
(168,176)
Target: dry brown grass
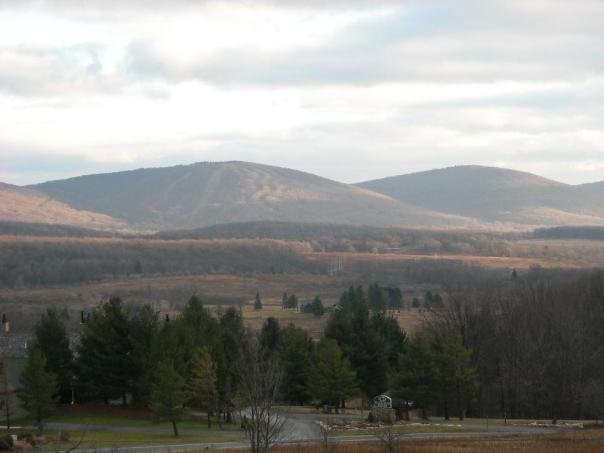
(589,440)
(475,260)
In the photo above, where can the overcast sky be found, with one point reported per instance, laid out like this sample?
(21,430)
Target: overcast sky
(354,90)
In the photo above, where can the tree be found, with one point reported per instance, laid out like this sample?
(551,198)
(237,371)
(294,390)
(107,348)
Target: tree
(270,335)
(436,371)
(371,342)
(232,335)
(50,338)
(168,394)
(260,379)
(257,302)
(334,378)
(377,298)
(395,298)
(38,388)
(317,308)
(296,357)
(143,333)
(201,385)
(105,359)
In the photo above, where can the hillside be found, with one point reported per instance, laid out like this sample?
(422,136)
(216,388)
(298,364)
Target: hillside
(202,194)
(18,204)
(495,195)
(595,188)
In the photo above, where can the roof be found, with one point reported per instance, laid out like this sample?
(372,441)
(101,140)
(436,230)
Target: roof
(14,345)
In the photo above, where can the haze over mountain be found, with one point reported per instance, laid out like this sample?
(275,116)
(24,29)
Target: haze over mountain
(496,195)
(27,205)
(201,194)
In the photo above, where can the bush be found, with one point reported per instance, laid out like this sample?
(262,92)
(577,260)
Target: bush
(6,442)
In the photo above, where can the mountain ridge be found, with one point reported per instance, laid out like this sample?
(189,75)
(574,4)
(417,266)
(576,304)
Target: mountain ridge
(494,194)
(206,193)
(209,193)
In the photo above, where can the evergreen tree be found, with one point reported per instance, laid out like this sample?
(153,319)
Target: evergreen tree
(232,335)
(284,300)
(144,331)
(436,372)
(105,360)
(377,298)
(257,302)
(292,302)
(38,388)
(270,335)
(317,308)
(371,342)
(50,338)
(168,394)
(296,358)
(201,385)
(334,378)
(395,298)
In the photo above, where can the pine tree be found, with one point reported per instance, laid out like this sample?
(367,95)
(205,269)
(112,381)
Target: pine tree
(105,360)
(334,378)
(317,308)
(51,340)
(270,335)
(296,358)
(168,394)
(201,385)
(257,302)
(38,388)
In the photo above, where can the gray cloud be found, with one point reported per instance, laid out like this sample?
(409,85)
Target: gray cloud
(440,42)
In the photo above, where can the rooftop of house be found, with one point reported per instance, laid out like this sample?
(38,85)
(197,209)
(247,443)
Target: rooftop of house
(13,345)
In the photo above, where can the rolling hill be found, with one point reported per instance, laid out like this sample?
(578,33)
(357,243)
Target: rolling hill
(20,204)
(202,194)
(594,188)
(498,195)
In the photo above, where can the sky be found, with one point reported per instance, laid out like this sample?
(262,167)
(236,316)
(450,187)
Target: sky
(347,89)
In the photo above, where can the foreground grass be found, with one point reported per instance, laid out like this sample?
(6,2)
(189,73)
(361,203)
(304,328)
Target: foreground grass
(105,439)
(128,417)
(411,429)
(588,440)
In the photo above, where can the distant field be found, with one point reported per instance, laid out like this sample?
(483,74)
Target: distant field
(487,261)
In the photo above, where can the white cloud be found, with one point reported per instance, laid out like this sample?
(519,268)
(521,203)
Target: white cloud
(351,91)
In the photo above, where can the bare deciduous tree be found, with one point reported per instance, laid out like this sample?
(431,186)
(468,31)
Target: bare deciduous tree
(260,377)
(389,437)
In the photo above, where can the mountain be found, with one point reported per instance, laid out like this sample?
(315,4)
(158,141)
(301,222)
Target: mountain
(202,194)
(499,195)
(594,188)
(26,205)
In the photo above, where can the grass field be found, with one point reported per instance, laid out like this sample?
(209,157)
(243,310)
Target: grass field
(589,440)
(104,439)
(128,418)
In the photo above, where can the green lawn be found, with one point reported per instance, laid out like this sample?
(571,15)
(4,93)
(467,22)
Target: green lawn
(115,416)
(98,439)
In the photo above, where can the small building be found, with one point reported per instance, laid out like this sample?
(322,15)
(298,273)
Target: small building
(13,354)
